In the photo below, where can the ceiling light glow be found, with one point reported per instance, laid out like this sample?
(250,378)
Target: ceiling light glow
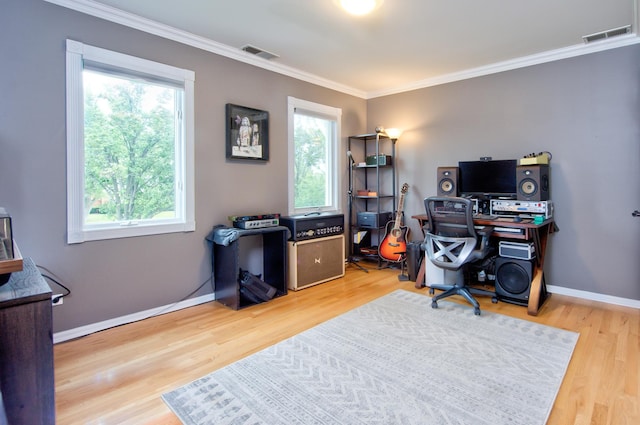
(359,7)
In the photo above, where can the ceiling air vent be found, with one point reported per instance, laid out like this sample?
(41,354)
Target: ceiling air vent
(259,52)
(607,34)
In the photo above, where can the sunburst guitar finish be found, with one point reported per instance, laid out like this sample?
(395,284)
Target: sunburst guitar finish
(394,245)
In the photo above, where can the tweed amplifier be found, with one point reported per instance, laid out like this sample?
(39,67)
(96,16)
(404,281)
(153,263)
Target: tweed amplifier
(313,226)
(315,261)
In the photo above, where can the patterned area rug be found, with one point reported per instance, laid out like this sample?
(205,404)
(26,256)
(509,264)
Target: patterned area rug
(394,360)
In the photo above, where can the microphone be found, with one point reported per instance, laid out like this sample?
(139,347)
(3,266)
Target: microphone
(350,156)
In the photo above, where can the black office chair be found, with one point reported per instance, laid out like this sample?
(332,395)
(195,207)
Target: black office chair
(452,243)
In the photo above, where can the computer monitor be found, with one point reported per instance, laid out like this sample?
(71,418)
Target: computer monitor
(488,178)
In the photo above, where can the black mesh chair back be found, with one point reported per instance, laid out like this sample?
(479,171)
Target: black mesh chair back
(450,216)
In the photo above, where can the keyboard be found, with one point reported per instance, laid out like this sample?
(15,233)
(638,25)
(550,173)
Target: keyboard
(485,217)
(508,230)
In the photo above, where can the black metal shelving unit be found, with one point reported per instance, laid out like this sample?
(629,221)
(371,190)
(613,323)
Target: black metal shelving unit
(378,177)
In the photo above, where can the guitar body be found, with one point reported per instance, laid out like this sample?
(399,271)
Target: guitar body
(394,245)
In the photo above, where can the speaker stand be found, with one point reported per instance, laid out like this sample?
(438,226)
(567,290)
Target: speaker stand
(403,276)
(353,261)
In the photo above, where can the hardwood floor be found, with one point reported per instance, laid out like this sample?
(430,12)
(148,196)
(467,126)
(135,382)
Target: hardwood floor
(117,376)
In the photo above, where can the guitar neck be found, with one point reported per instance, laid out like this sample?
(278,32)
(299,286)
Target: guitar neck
(399,212)
(403,191)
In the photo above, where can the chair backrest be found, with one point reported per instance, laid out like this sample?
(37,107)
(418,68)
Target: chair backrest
(450,216)
(451,238)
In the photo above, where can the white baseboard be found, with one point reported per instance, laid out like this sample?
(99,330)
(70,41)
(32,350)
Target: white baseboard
(592,296)
(130,318)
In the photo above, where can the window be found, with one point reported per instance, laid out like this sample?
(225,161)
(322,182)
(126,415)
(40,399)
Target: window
(129,146)
(314,132)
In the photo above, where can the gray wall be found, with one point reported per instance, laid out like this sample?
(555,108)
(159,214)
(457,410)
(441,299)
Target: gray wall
(585,111)
(113,278)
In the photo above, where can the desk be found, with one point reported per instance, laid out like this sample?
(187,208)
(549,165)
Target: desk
(526,231)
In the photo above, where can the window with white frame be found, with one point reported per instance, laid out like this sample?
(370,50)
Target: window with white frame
(130,137)
(314,134)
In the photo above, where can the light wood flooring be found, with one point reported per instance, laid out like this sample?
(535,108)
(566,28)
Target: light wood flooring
(117,376)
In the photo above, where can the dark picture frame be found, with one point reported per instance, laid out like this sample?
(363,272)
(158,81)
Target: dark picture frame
(247,134)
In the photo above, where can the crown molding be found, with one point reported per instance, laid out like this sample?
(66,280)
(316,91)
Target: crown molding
(118,16)
(536,59)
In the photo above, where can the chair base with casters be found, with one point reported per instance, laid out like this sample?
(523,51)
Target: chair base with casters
(459,288)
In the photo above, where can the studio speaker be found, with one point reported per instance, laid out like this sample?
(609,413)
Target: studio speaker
(533,182)
(513,280)
(315,261)
(448,181)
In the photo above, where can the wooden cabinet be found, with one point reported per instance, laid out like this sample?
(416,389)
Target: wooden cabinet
(260,251)
(26,348)
(372,185)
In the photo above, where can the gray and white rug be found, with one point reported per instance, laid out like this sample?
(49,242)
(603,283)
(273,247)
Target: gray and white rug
(394,360)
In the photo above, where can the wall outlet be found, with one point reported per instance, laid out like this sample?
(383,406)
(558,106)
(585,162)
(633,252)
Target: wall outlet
(57,299)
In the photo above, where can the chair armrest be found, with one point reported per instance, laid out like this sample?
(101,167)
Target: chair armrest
(484,232)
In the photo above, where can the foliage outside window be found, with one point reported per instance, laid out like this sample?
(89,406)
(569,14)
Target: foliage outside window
(129,147)
(313,161)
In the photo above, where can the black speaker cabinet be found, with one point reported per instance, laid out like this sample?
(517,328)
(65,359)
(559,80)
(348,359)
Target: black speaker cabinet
(513,280)
(315,261)
(448,181)
(414,260)
(533,182)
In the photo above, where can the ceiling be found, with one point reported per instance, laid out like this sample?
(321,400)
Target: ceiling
(404,44)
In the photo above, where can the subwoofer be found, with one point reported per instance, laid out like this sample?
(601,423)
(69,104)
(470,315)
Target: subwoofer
(448,181)
(513,280)
(315,261)
(532,182)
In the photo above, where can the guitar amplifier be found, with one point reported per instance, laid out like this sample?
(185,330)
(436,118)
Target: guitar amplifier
(315,261)
(313,226)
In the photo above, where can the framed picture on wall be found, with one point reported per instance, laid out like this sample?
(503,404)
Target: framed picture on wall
(247,133)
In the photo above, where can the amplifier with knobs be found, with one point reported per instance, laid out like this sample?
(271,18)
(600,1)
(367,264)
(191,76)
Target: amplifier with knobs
(313,225)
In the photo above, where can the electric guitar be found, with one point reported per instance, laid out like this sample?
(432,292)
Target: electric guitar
(394,245)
